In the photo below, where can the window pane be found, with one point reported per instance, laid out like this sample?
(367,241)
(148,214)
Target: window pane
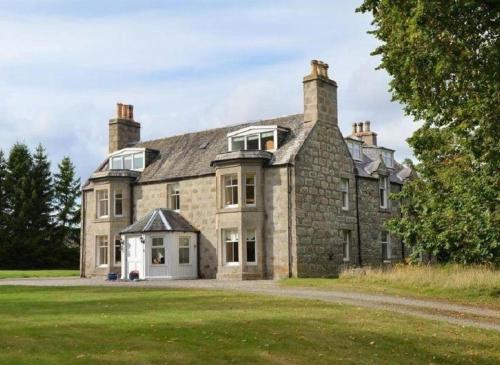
(102,250)
(267,141)
(250,189)
(116,163)
(174,193)
(118,203)
(118,251)
(127,162)
(183,250)
(138,161)
(230,190)
(231,245)
(251,248)
(253,142)
(238,143)
(157,251)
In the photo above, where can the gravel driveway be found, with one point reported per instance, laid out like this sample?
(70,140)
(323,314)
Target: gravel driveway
(428,309)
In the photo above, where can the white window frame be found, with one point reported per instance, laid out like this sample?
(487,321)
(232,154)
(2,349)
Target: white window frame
(253,186)
(98,203)
(387,254)
(383,192)
(226,233)
(101,241)
(181,246)
(344,182)
(153,238)
(174,196)
(117,239)
(128,154)
(115,193)
(231,186)
(388,158)
(259,131)
(253,233)
(355,150)
(346,245)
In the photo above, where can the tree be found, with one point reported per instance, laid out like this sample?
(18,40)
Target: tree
(3,206)
(443,59)
(42,195)
(67,210)
(19,205)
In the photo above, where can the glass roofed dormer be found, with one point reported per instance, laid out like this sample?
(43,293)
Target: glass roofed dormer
(128,159)
(264,137)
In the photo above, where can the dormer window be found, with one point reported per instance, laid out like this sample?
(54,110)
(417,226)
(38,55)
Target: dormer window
(355,149)
(255,138)
(387,156)
(128,159)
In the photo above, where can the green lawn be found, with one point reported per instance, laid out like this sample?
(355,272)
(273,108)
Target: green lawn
(102,325)
(11,274)
(474,285)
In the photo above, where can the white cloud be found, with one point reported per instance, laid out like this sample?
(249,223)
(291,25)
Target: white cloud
(183,69)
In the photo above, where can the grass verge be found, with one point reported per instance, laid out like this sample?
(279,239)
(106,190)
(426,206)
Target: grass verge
(81,325)
(475,285)
(12,274)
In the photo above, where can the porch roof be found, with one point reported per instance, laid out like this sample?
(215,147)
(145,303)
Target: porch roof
(160,220)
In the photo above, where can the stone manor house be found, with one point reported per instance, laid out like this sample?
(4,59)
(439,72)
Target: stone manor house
(282,197)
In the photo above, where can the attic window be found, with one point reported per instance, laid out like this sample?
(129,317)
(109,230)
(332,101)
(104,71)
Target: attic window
(355,150)
(388,158)
(255,138)
(128,159)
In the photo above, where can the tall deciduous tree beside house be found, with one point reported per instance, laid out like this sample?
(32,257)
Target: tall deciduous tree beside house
(3,205)
(443,59)
(67,209)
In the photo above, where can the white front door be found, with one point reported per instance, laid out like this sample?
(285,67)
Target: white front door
(135,256)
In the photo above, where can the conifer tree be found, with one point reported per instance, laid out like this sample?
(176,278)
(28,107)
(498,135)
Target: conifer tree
(19,206)
(42,194)
(67,208)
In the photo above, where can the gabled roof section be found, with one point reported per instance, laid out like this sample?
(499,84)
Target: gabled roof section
(190,154)
(160,220)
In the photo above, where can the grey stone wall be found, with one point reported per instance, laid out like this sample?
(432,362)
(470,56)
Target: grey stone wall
(122,132)
(320,219)
(372,221)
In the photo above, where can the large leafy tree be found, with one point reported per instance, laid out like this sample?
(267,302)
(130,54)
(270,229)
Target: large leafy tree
(443,58)
(67,212)
(3,206)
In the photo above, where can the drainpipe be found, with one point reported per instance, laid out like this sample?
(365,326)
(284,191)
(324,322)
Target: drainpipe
(82,237)
(360,262)
(289,187)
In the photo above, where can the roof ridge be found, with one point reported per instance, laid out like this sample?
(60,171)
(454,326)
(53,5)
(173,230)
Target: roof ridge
(219,128)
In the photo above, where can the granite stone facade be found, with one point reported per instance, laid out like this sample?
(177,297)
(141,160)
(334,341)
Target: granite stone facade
(316,210)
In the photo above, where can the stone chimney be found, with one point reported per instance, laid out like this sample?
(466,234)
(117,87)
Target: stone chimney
(320,95)
(123,130)
(363,132)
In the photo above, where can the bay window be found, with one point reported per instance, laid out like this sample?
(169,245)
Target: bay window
(118,203)
(128,159)
(231,191)
(231,241)
(251,247)
(102,203)
(102,251)
(250,189)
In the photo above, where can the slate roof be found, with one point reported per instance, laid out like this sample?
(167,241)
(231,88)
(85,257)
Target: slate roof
(368,167)
(160,220)
(190,154)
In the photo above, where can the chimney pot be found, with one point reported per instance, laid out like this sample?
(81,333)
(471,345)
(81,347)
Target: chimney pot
(354,128)
(130,114)
(119,110)
(367,126)
(360,127)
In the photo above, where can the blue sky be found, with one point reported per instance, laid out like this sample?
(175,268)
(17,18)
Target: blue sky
(184,65)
